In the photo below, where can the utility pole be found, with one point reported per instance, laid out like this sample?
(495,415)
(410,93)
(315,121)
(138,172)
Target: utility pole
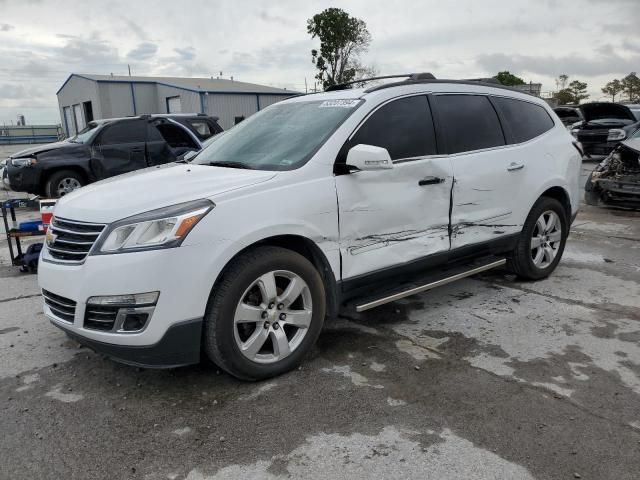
(305,85)
(129,67)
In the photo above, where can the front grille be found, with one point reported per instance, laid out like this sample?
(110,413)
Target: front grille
(100,317)
(593,136)
(71,241)
(61,307)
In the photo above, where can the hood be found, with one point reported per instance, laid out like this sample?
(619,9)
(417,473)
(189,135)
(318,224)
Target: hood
(43,148)
(605,110)
(156,187)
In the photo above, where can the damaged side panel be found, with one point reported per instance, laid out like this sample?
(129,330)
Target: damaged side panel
(387,218)
(485,196)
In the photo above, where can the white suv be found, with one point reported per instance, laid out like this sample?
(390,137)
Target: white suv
(348,198)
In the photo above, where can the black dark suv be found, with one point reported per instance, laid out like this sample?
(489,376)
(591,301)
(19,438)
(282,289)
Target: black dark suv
(106,148)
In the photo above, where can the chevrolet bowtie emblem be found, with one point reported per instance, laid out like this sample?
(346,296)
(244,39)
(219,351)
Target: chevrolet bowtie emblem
(51,237)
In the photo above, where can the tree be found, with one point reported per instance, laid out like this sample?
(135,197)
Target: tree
(574,93)
(613,88)
(631,87)
(561,81)
(578,90)
(342,39)
(508,78)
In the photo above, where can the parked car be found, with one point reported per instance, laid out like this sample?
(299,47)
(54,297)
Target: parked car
(616,181)
(602,126)
(568,114)
(106,148)
(351,198)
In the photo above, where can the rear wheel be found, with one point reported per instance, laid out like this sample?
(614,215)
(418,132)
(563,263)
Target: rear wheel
(63,182)
(542,240)
(265,313)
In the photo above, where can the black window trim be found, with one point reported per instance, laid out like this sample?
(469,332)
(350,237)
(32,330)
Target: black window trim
(426,94)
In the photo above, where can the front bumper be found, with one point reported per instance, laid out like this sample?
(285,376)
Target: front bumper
(183,276)
(24,179)
(617,192)
(179,346)
(598,149)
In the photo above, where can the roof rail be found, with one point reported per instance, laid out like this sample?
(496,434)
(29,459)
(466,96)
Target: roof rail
(493,83)
(408,76)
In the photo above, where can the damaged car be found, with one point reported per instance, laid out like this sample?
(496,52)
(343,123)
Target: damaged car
(616,181)
(602,126)
(106,148)
(337,201)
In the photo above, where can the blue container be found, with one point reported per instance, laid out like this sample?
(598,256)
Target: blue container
(30,225)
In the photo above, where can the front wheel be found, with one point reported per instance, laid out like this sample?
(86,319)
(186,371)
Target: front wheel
(63,182)
(264,314)
(542,240)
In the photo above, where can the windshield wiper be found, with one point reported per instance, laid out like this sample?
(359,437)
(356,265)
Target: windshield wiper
(230,165)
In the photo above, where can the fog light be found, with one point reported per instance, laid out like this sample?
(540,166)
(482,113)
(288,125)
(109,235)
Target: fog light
(134,321)
(135,299)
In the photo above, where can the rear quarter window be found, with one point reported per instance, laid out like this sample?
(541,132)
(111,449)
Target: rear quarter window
(522,120)
(468,122)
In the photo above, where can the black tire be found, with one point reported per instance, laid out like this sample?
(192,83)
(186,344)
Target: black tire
(218,337)
(521,261)
(51,187)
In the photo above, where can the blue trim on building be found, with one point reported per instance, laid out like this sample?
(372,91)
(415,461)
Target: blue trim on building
(257,102)
(133,99)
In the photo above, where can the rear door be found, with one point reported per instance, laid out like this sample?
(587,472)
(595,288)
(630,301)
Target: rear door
(487,174)
(389,218)
(119,148)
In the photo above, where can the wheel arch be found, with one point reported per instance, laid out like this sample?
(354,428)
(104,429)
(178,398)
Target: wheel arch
(308,249)
(46,175)
(560,194)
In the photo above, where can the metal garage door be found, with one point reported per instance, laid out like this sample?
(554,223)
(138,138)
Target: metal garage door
(174,105)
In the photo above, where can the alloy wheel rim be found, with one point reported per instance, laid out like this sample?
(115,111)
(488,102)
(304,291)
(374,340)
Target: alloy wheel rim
(67,185)
(272,317)
(546,239)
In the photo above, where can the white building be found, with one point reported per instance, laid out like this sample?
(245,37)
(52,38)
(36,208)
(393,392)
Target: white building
(86,97)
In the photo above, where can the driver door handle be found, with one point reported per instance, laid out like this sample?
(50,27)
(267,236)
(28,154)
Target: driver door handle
(430,181)
(513,166)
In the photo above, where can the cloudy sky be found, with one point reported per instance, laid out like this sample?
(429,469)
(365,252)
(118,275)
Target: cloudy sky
(42,41)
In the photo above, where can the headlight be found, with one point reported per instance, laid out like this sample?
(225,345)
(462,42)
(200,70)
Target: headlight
(163,228)
(574,132)
(616,134)
(23,162)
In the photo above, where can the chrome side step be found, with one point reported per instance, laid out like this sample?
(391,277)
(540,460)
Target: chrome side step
(428,286)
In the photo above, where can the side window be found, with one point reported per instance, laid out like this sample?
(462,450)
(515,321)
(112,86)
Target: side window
(176,136)
(201,127)
(522,120)
(126,131)
(468,122)
(404,127)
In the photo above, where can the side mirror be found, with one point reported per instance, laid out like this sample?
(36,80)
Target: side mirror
(369,157)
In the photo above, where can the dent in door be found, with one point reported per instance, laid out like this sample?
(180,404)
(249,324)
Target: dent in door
(386,218)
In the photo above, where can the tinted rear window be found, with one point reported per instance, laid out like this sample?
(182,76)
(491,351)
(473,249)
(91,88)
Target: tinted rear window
(468,122)
(522,121)
(404,127)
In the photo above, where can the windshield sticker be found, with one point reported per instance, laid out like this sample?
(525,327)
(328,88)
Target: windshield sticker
(339,103)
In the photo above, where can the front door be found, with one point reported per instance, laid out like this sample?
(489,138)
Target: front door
(393,217)
(119,148)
